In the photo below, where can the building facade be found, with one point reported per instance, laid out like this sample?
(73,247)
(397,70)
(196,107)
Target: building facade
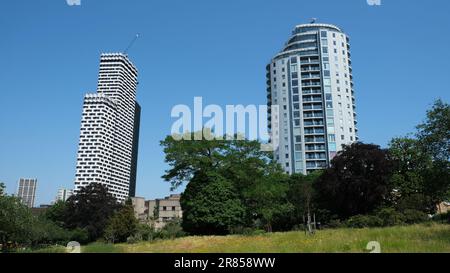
(63,195)
(26,191)
(311,83)
(107,152)
(158,212)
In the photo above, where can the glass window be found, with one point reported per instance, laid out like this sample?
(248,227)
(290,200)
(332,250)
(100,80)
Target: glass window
(332,138)
(330,122)
(295,90)
(323,34)
(325,49)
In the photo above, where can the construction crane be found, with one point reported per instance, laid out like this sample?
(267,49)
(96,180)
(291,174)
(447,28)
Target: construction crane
(131,43)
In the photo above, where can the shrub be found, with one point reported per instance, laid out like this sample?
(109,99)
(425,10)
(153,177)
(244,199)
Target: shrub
(414,216)
(80,235)
(172,230)
(390,217)
(146,232)
(363,221)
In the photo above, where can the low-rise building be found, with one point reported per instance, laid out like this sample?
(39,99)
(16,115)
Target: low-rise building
(158,212)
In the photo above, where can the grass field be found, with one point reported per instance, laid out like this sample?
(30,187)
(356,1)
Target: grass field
(418,238)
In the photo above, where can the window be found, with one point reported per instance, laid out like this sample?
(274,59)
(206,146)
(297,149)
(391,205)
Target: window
(325,50)
(173,208)
(342,137)
(323,34)
(332,138)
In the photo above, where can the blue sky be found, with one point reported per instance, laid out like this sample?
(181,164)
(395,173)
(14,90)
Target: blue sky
(216,49)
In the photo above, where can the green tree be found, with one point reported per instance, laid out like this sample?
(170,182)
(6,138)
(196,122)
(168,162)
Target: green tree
(235,167)
(122,225)
(57,213)
(434,136)
(301,195)
(357,181)
(90,209)
(269,200)
(16,221)
(434,133)
(210,205)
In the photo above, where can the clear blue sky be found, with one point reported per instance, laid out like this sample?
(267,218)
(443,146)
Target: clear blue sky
(217,49)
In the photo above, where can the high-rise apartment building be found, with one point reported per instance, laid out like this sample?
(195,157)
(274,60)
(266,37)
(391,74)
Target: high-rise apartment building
(63,195)
(26,191)
(311,82)
(109,134)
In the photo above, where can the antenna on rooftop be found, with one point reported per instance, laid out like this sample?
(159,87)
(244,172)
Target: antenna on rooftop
(131,43)
(313,20)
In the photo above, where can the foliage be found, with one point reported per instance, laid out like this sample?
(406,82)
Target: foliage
(121,225)
(364,221)
(228,183)
(57,213)
(268,199)
(412,216)
(434,133)
(15,221)
(172,230)
(210,205)
(90,209)
(356,183)
(301,196)
(390,217)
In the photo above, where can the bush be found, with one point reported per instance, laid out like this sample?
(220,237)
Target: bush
(172,230)
(80,235)
(390,217)
(146,232)
(364,221)
(414,216)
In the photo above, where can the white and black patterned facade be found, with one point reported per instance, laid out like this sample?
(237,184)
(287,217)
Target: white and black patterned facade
(109,134)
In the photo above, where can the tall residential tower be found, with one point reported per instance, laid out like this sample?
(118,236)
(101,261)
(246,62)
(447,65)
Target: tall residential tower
(311,82)
(26,191)
(109,135)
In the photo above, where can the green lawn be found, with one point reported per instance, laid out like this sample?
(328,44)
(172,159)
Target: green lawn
(418,238)
(430,238)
